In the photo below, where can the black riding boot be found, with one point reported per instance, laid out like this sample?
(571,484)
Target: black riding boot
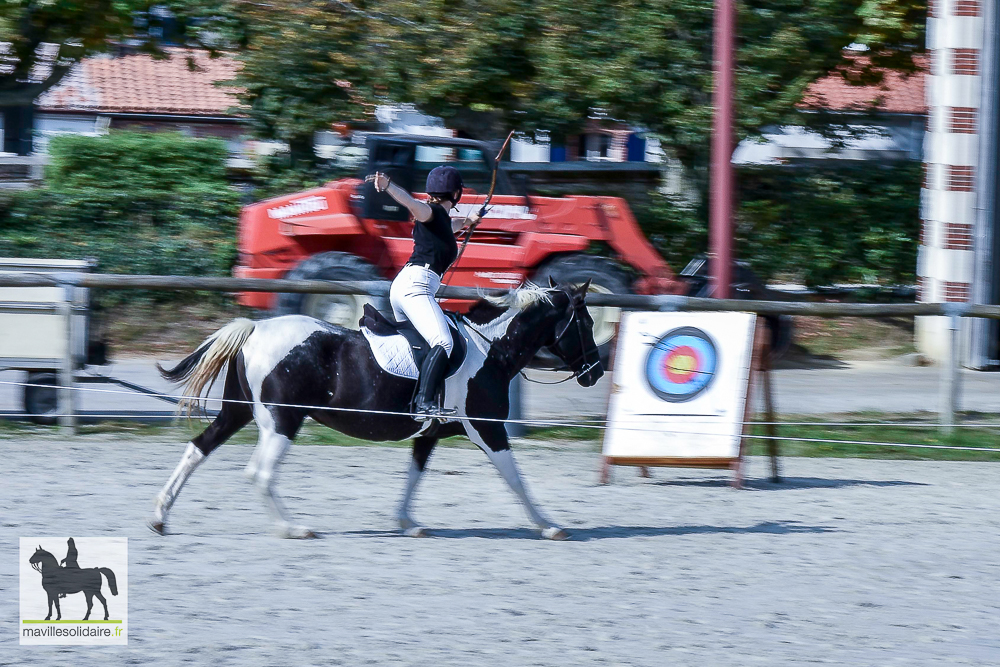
(431,375)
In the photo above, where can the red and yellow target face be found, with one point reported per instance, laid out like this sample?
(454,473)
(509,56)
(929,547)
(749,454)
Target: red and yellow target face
(681,364)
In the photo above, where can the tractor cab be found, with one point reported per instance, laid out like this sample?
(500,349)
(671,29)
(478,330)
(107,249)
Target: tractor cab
(408,159)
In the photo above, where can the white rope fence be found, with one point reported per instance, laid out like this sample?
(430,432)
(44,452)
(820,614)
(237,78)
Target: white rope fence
(597,424)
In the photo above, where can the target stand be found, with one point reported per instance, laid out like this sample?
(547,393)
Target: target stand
(682,392)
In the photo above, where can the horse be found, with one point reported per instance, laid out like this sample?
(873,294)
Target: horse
(58,581)
(283,369)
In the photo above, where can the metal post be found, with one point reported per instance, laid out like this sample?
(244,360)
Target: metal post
(516,430)
(66,402)
(769,416)
(983,349)
(950,387)
(721,186)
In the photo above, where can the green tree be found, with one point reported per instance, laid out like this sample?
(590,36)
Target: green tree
(550,64)
(306,64)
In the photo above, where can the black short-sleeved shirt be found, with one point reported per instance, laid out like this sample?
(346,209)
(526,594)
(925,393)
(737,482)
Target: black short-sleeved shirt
(434,241)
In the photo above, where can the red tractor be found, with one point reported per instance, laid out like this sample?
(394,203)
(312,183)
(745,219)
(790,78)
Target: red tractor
(346,230)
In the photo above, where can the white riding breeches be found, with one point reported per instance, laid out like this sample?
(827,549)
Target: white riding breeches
(412,298)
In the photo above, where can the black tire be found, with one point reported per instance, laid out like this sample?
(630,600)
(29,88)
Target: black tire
(607,277)
(42,402)
(342,309)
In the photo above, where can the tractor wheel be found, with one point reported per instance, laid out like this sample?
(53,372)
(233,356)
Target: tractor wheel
(606,276)
(342,309)
(42,402)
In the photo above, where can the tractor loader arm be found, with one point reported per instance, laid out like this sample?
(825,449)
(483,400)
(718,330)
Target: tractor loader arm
(625,237)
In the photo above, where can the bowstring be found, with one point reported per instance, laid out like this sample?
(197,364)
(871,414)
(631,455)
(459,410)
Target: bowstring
(450,273)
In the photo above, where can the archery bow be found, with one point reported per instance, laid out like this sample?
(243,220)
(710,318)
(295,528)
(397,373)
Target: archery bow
(482,209)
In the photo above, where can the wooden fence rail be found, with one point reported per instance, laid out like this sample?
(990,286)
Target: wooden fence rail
(381,288)
(949,371)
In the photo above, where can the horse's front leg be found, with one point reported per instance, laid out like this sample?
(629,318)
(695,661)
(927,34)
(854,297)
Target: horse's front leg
(422,448)
(491,437)
(51,598)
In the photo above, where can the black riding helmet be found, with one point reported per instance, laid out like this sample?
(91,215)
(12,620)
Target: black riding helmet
(443,182)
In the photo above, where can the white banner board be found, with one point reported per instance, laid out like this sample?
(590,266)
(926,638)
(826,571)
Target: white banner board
(680,386)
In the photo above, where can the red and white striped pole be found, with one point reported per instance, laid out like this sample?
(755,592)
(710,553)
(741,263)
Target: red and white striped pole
(721,176)
(946,263)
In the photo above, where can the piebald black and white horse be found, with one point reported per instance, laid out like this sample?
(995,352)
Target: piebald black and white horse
(280,368)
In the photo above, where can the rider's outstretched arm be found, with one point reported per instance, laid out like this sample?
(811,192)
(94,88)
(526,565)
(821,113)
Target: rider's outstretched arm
(421,211)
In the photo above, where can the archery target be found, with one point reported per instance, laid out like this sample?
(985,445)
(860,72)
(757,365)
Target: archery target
(681,364)
(680,385)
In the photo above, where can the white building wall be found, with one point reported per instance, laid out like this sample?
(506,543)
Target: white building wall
(946,258)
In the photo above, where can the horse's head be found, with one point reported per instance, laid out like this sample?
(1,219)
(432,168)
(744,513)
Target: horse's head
(42,558)
(573,336)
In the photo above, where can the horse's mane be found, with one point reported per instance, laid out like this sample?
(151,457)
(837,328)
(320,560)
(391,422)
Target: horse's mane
(524,296)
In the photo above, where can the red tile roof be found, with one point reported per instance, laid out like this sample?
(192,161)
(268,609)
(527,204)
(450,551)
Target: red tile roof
(897,93)
(139,84)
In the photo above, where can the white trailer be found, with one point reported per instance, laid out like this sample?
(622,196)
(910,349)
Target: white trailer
(45,332)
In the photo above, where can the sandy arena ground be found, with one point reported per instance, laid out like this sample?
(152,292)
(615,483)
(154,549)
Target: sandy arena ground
(853,562)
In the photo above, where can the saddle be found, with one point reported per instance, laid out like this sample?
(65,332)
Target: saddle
(380,325)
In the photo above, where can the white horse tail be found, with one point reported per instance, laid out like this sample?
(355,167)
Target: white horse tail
(202,367)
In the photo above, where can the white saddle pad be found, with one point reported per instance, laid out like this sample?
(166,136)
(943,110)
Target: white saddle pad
(393,354)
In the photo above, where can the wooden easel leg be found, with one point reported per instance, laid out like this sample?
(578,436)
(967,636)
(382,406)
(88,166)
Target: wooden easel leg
(644,472)
(737,468)
(605,470)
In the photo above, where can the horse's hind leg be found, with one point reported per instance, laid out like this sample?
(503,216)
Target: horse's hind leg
(491,437)
(232,417)
(100,597)
(422,448)
(272,445)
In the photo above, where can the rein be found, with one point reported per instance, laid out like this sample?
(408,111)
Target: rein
(587,366)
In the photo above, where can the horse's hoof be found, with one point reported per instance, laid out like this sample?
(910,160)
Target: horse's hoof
(415,531)
(157,527)
(555,533)
(299,533)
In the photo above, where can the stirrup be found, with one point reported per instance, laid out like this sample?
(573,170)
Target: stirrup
(423,414)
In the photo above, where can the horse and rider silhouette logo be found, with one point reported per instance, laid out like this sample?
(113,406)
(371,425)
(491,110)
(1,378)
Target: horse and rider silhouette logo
(66,577)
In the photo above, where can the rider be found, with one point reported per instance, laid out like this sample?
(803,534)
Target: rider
(70,560)
(71,554)
(434,249)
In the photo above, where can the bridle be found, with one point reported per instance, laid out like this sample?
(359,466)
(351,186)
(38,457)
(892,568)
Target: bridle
(587,365)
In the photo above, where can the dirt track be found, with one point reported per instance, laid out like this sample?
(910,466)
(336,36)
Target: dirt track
(849,562)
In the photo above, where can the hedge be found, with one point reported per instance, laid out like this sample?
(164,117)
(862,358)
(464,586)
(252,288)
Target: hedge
(137,203)
(821,225)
